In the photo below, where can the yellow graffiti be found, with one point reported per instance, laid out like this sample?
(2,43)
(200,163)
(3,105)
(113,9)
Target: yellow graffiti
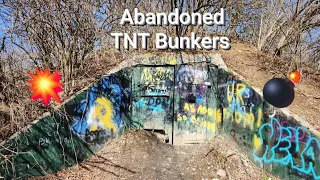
(101,115)
(215,114)
(198,120)
(259,117)
(173,61)
(256,141)
(230,95)
(201,110)
(181,117)
(247,118)
(160,60)
(227,113)
(211,126)
(94,127)
(238,117)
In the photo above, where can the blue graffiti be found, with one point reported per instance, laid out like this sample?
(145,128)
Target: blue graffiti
(154,104)
(239,99)
(109,87)
(199,99)
(238,95)
(301,157)
(155,93)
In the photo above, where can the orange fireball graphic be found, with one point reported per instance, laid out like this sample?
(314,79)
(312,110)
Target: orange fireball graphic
(295,76)
(45,85)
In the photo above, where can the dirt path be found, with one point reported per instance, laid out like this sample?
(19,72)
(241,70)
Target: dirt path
(141,155)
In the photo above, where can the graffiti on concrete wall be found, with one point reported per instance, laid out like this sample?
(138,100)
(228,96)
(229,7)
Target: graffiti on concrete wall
(154,104)
(289,146)
(160,60)
(199,115)
(152,99)
(196,111)
(156,80)
(192,74)
(172,59)
(242,108)
(154,74)
(47,147)
(189,98)
(100,115)
(241,104)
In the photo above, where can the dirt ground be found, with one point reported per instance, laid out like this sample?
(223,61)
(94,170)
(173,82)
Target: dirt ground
(141,155)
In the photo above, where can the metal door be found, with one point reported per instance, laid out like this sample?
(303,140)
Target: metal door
(152,98)
(193,104)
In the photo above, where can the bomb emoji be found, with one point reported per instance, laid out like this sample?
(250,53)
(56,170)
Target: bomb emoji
(279,92)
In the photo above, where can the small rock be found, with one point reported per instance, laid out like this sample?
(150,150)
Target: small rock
(245,163)
(221,173)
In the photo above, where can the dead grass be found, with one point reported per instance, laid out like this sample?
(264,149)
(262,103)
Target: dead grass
(141,155)
(17,109)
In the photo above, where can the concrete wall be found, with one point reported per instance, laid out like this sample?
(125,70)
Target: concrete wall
(189,99)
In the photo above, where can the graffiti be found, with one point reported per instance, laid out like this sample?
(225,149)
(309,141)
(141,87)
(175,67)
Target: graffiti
(198,109)
(302,136)
(191,101)
(172,60)
(302,157)
(97,137)
(194,114)
(240,107)
(159,88)
(161,60)
(155,74)
(199,89)
(237,94)
(247,119)
(154,104)
(44,142)
(100,115)
(192,74)
(199,114)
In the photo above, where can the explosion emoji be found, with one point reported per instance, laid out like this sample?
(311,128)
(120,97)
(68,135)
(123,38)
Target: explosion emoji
(45,85)
(294,76)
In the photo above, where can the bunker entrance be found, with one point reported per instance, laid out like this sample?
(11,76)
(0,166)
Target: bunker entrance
(175,101)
